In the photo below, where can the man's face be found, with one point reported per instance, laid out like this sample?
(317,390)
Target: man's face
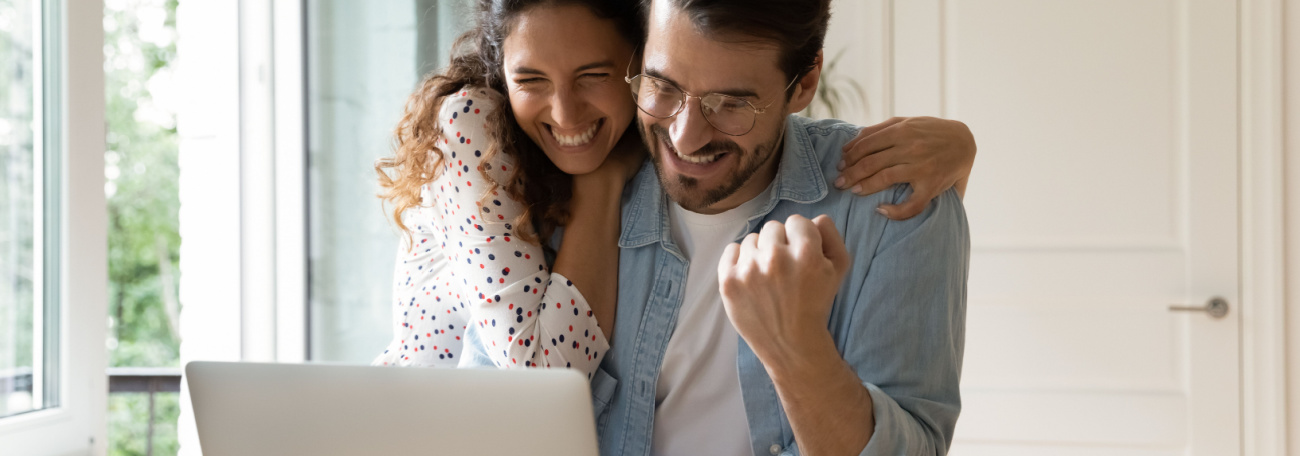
(701,168)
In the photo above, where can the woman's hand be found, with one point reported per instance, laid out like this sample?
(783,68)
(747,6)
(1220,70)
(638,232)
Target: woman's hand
(622,163)
(929,153)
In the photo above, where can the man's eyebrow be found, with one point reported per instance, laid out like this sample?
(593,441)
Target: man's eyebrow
(589,66)
(735,92)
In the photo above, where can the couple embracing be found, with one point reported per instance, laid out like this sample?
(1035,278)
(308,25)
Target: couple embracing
(622,187)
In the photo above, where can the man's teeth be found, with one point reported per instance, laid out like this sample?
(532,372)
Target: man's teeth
(576,140)
(698,159)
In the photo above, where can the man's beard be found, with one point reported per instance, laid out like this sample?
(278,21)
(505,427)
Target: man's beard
(687,191)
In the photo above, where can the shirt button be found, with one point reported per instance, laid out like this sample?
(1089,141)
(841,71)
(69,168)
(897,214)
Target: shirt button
(775,449)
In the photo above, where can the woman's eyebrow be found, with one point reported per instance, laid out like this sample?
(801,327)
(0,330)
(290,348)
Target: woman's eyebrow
(528,70)
(594,65)
(589,66)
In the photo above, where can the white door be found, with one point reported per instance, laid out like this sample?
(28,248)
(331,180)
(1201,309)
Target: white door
(1104,191)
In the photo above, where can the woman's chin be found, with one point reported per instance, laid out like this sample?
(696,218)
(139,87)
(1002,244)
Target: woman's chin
(578,164)
(579,167)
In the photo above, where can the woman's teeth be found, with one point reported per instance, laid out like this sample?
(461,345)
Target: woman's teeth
(698,159)
(576,140)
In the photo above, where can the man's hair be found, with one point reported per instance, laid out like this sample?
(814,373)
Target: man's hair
(797,27)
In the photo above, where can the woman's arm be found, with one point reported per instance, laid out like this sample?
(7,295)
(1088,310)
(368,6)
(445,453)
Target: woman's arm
(930,154)
(589,254)
(524,315)
(405,277)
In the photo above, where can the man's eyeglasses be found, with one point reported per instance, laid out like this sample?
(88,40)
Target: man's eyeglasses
(662,99)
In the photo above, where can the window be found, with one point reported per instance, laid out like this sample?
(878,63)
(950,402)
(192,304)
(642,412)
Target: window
(28,328)
(52,227)
(363,61)
(142,176)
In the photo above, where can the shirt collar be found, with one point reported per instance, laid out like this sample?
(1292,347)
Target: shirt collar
(798,179)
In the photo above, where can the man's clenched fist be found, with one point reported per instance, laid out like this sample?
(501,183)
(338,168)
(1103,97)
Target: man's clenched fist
(778,285)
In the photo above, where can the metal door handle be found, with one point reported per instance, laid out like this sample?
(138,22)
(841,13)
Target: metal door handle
(1216,307)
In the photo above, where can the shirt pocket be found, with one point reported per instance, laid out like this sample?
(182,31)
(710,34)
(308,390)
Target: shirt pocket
(602,393)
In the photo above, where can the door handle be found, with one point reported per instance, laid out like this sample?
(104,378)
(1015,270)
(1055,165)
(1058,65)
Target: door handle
(1216,307)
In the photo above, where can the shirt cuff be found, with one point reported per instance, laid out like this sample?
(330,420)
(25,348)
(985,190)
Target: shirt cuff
(889,437)
(600,343)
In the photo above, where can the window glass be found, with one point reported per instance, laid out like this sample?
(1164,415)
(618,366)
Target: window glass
(20,210)
(364,58)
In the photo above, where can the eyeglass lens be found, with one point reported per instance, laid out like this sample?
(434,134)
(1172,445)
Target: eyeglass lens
(661,99)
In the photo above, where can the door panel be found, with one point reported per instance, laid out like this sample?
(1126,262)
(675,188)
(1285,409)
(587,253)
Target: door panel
(1105,190)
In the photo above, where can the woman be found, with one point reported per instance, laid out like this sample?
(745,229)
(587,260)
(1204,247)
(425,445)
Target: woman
(529,123)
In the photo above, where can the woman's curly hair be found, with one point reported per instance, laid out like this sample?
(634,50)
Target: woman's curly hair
(477,61)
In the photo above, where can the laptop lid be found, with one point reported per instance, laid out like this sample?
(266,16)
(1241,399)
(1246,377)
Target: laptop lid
(279,409)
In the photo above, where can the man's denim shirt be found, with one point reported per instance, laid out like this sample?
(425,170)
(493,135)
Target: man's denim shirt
(898,318)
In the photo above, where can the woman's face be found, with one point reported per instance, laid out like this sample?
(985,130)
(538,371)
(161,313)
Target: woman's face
(564,72)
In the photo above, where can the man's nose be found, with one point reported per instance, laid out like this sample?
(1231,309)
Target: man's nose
(690,131)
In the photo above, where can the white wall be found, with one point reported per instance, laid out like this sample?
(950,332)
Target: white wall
(208,125)
(1291,88)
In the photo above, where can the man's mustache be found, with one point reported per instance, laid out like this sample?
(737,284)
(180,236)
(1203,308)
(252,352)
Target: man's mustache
(712,148)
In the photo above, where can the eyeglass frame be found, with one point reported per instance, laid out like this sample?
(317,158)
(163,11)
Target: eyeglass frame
(686,99)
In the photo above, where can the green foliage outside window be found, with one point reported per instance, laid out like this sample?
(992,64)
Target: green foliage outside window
(141,174)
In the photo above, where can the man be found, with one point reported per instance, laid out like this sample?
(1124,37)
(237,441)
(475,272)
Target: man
(793,340)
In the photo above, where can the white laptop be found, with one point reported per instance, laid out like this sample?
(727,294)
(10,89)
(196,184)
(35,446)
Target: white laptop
(248,409)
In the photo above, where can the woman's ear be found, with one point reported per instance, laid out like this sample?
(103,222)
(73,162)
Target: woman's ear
(806,88)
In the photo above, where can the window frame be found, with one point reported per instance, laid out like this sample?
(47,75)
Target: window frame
(72,228)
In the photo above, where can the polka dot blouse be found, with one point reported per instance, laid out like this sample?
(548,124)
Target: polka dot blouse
(468,267)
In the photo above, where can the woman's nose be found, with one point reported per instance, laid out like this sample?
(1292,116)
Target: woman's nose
(568,108)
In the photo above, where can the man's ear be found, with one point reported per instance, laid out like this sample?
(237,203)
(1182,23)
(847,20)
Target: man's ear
(806,88)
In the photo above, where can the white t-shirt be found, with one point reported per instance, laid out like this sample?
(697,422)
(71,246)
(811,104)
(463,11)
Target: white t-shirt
(698,407)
